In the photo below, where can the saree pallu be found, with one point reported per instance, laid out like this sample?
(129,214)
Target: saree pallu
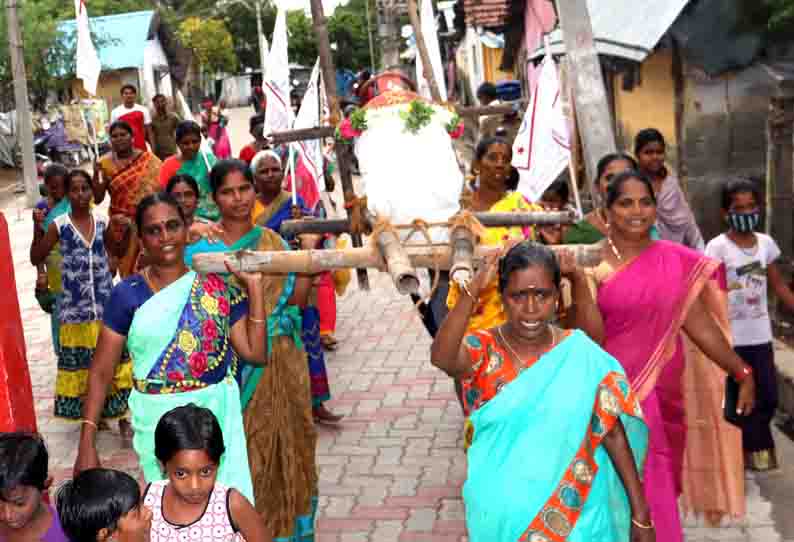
(199,170)
(128,186)
(318,374)
(537,470)
(692,450)
(181,354)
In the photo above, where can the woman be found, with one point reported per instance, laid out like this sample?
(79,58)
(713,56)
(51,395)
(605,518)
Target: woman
(185,190)
(652,294)
(214,120)
(183,331)
(129,175)
(86,283)
(193,161)
(276,401)
(593,227)
(674,218)
(274,205)
(582,483)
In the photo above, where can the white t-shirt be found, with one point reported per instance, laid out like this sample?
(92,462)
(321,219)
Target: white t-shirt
(747,286)
(138,117)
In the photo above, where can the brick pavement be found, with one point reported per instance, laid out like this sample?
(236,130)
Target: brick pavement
(392,471)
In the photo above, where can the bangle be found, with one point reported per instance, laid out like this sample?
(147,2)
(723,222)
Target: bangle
(743,373)
(465,287)
(89,422)
(256,321)
(640,525)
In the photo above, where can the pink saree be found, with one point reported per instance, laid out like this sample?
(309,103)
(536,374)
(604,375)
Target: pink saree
(692,451)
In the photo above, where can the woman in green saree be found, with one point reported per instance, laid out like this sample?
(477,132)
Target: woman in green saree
(276,401)
(183,331)
(556,437)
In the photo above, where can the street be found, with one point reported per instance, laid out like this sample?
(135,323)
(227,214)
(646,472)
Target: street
(393,469)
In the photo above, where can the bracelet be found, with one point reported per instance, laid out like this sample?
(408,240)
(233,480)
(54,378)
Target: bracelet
(465,287)
(256,321)
(89,422)
(640,525)
(744,373)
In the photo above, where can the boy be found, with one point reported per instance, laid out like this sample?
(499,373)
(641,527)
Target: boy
(749,258)
(101,505)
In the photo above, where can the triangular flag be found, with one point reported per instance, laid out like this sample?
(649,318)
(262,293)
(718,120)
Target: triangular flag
(430,33)
(88,65)
(278,115)
(309,167)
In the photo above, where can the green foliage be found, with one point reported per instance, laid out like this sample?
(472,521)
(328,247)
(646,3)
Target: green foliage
(776,16)
(347,28)
(417,117)
(358,119)
(302,43)
(210,42)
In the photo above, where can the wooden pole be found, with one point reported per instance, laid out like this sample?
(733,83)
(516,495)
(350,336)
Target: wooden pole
(462,242)
(318,261)
(342,150)
(319,132)
(421,46)
(398,263)
(591,105)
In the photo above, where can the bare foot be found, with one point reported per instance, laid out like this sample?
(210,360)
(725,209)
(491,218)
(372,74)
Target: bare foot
(323,415)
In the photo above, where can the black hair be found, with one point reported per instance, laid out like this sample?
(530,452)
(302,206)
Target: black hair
(486,143)
(737,186)
(130,87)
(188,427)
(488,90)
(511,183)
(607,159)
(646,136)
(150,201)
(76,172)
(616,184)
(182,178)
(527,254)
(187,127)
(560,189)
(23,462)
(95,499)
(254,120)
(158,96)
(222,169)
(55,170)
(123,124)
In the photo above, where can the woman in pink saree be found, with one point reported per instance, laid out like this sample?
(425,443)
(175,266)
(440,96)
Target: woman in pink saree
(662,304)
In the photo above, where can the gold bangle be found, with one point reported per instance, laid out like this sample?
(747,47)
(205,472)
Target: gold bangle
(256,321)
(89,422)
(639,525)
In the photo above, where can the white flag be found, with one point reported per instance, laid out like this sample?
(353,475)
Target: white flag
(88,65)
(541,150)
(278,115)
(310,152)
(430,33)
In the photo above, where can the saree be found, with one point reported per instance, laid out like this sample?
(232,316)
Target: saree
(179,343)
(128,186)
(277,408)
(582,233)
(537,469)
(674,217)
(197,168)
(280,209)
(692,450)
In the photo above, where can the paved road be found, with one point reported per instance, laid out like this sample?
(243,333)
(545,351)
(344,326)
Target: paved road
(393,470)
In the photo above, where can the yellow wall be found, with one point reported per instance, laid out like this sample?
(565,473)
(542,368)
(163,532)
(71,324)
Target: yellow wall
(491,59)
(651,104)
(109,86)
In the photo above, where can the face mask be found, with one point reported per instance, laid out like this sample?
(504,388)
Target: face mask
(744,222)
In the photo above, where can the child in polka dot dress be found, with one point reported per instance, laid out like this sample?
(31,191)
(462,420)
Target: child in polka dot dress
(189,505)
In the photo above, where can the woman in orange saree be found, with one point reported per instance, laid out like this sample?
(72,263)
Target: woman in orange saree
(662,305)
(129,175)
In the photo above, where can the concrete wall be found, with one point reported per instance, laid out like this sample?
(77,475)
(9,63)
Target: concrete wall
(109,86)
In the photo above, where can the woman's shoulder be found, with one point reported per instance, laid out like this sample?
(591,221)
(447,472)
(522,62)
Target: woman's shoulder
(133,285)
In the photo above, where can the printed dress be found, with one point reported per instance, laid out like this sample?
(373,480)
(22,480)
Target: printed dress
(86,284)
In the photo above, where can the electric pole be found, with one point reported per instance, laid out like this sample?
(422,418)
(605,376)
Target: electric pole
(24,129)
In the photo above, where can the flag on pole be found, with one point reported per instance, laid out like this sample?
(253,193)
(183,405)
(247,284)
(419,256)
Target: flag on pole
(278,115)
(88,64)
(430,33)
(309,165)
(541,150)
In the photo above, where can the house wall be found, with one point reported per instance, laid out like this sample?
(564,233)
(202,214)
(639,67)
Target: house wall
(109,86)
(492,59)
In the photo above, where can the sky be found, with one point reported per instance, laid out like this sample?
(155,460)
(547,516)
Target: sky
(328,5)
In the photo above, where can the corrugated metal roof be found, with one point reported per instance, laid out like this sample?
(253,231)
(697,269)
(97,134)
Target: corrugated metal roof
(625,28)
(125,35)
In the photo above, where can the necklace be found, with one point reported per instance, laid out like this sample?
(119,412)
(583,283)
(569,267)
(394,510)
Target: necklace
(514,353)
(147,275)
(614,248)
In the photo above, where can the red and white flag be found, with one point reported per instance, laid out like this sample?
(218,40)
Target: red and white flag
(278,115)
(88,64)
(542,149)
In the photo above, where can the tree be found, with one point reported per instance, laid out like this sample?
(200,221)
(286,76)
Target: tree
(210,42)
(348,29)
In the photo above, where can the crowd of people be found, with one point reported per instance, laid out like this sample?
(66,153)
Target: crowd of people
(217,380)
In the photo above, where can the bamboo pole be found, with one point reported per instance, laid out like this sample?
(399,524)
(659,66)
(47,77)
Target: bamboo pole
(318,261)
(318,132)
(397,261)
(421,46)
(462,242)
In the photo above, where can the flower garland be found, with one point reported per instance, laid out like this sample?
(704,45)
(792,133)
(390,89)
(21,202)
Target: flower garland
(416,116)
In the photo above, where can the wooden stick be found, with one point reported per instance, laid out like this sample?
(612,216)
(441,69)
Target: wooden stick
(484,110)
(398,264)
(318,261)
(318,132)
(421,46)
(462,242)
(489,220)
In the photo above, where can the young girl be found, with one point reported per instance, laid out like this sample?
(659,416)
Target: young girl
(750,259)
(190,505)
(86,281)
(102,505)
(23,480)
